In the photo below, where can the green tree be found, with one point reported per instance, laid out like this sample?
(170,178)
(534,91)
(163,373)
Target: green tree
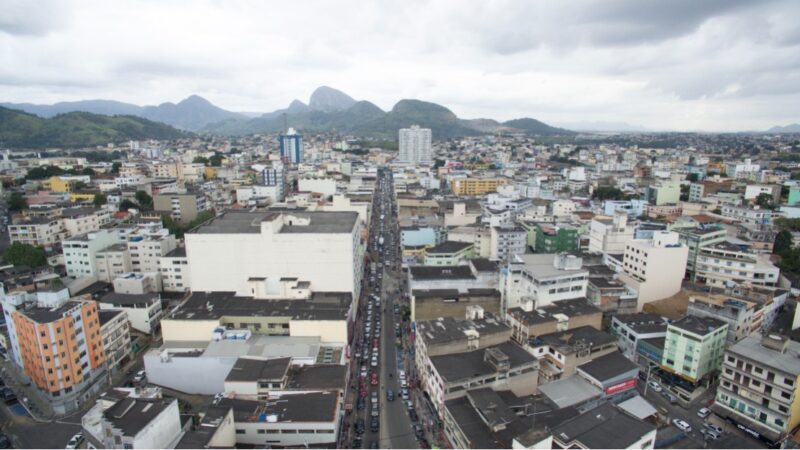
(115,167)
(693,177)
(608,193)
(216,160)
(17,202)
(25,255)
(783,243)
(88,171)
(40,173)
(200,160)
(127,204)
(144,200)
(765,201)
(100,200)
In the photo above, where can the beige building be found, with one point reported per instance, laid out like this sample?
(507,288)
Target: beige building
(654,268)
(182,207)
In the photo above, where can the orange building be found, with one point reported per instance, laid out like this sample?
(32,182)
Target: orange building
(60,346)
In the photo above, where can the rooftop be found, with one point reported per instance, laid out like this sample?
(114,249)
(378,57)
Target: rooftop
(441,272)
(571,308)
(448,329)
(643,322)
(132,415)
(608,366)
(47,315)
(449,247)
(568,341)
(214,305)
(317,376)
(699,325)
(312,407)
(787,362)
(128,300)
(602,427)
(246,369)
(457,367)
(235,222)
(541,265)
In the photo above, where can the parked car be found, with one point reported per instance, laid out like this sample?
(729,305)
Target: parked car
(710,435)
(390,395)
(418,432)
(654,386)
(374,425)
(360,403)
(5,442)
(412,414)
(712,427)
(140,376)
(703,413)
(682,425)
(75,441)
(8,395)
(360,427)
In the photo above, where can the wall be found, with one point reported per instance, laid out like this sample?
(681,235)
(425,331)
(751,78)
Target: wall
(327,330)
(191,375)
(187,330)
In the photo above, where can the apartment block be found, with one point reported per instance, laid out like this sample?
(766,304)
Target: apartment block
(112,261)
(610,234)
(116,335)
(80,252)
(758,389)
(654,268)
(724,262)
(476,186)
(696,238)
(174,269)
(537,280)
(183,207)
(694,346)
(144,311)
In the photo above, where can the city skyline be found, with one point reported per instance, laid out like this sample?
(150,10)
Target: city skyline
(713,66)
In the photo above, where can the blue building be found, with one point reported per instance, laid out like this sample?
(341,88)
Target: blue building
(291,146)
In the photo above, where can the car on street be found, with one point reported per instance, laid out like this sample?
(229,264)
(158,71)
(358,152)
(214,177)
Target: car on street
(364,371)
(404,393)
(374,425)
(710,435)
(682,425)
(654,386)
(703,413)
(712,427)
(5,442)
(357,442)
(374,379)
(360,427)
(418,431)
(390,395)
(139,377)
(412,414)
(360,403)
(75,441)
(8,395)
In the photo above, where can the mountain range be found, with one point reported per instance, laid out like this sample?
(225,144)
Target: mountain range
(793,128)
(328,109)
(77,129)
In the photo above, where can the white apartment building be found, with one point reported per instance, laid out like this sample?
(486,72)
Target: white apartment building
(174,267)
(610,234)
(759,386)
(112,262)
(191,172)
(415,145)
(746,215)
(116,334)
(324,248)
(147,247)
(257,195)
(562,208)
(38,231)
(507,242)
(536,280)
(143,310)
(654,268)
(752,191)
(80,252)
(82,220)
(724,262)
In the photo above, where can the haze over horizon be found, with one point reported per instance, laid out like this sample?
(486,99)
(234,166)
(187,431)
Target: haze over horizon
(683,65)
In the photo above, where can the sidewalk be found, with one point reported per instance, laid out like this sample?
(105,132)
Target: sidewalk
(28,395)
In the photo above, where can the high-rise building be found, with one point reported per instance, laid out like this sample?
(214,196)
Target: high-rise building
(291,146)
(415,144)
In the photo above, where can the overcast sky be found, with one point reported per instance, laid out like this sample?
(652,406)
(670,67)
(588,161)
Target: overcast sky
(724,65)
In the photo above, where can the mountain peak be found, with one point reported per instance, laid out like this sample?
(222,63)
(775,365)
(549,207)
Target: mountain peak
(325,98)
(195,100)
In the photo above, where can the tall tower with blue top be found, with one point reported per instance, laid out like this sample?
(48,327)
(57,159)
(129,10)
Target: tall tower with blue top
(291,146)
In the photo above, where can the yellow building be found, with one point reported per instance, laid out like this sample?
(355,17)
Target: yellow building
(477,186)
(56,184)
(81,196)
(210,173)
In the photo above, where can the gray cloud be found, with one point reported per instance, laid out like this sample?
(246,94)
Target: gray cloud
(663,64)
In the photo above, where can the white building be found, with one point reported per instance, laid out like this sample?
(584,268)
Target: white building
(112,262)
(753,216)
(655,268)
(115,330)
(135,423)
(610,235)
(536,280)
(174,268)
(143,311)
(562,208)
(80,252)
(147,246)
(324,186)
(724,262)
(507,242)
(324,248)
(415,145)
(258,195)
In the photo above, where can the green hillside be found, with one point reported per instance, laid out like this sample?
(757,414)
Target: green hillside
(77,129)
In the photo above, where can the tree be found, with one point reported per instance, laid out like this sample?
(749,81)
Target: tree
(200,160)
(88,171)
(100,200)
(783,243)
(17,202)
(765,201)
(608,193)
(79,185)
(127,204)
(144,200)
(25,255)
(115,167)
(692,177)
(40,173)
(216,160)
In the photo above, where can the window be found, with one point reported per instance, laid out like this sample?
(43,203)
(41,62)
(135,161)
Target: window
(240,431)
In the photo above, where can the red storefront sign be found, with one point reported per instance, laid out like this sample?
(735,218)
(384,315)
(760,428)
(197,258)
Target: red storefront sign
(625,385)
